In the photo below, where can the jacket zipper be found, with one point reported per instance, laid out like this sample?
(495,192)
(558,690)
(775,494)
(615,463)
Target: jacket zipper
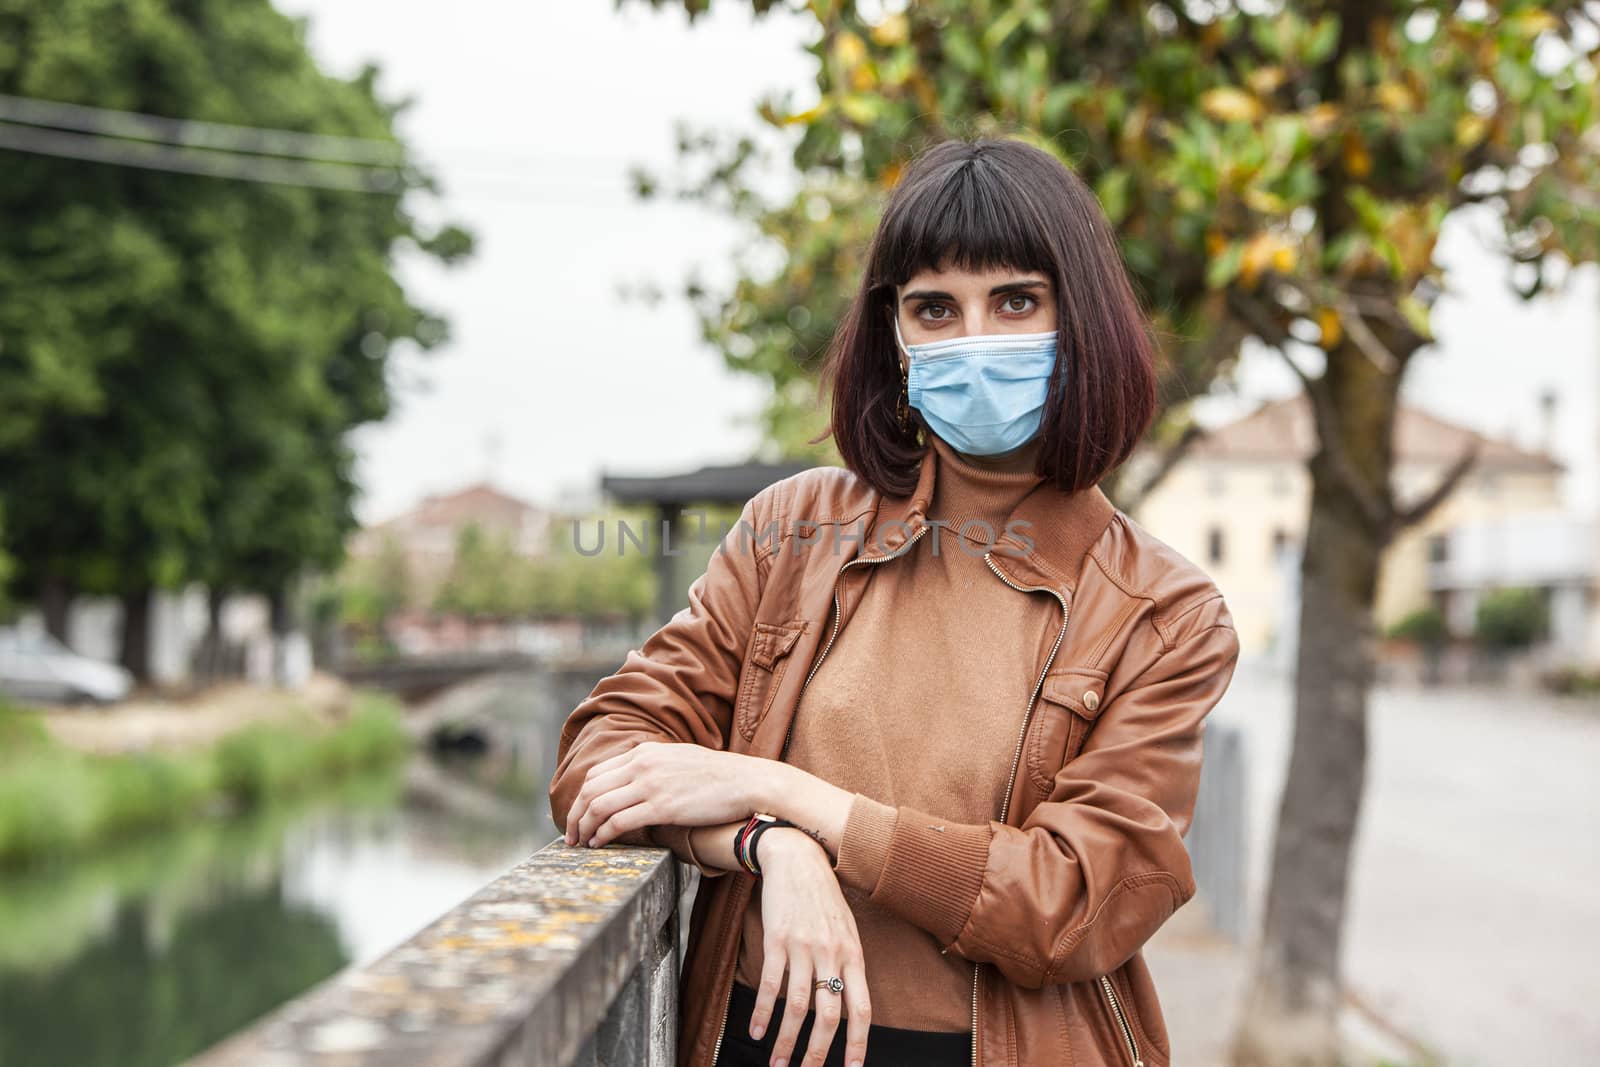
(1105,981)
(1122,1020)
(1005,805)
(789,733)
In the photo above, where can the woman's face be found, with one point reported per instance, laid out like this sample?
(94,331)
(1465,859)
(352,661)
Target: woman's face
(934,305)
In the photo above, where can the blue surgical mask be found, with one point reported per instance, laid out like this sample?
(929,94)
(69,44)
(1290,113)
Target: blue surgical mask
(983,395)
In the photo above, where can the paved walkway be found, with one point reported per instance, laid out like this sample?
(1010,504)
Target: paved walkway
(1476,893)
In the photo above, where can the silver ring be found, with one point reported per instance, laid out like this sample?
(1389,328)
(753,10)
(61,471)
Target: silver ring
(834,984)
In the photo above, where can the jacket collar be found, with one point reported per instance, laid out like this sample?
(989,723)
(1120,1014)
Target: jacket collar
(1060,526)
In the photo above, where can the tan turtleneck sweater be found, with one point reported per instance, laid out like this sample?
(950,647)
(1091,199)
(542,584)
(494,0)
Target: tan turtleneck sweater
(904,710)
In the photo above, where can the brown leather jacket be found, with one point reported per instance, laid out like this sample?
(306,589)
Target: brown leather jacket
(1053,898)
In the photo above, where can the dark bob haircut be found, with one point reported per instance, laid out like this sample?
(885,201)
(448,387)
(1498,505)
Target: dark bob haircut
(994,204)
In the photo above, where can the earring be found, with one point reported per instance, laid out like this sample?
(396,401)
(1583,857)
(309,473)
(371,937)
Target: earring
(902,407)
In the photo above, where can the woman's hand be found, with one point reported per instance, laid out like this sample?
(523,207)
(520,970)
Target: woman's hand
(807,926)
(664,782)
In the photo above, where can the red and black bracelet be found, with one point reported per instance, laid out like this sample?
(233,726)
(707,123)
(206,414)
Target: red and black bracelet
(744,842)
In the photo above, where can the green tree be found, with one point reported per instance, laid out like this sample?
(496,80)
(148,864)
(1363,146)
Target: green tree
(480,582)
(1281,174)
(597,576)
(182,356)
(372,590)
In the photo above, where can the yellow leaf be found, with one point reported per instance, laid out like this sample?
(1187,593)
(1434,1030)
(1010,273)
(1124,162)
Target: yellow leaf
(863,78)
(808,116)
(1264,80)
(1357,160)
(1263,201)
(1266,251)
(1470,129)
(1229,104)
(1321,118)
(1395,97)
(896,29)
(858,109)
(1328,323)
(1215,243)
(1257,255)
(1532,23)
(849,49)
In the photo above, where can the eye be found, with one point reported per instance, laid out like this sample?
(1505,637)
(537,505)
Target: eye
(928,306)
(1031,302)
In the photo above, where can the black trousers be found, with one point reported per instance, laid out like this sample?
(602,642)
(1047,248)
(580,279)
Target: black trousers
(887,1046)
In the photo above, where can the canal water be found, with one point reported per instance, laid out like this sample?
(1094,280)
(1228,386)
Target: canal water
(144,954)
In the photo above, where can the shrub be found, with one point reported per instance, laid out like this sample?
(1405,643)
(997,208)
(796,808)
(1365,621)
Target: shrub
(54,799)
(1512,618)
(1425,626)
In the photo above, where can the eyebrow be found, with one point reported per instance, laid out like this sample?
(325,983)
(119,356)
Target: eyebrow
(940,294)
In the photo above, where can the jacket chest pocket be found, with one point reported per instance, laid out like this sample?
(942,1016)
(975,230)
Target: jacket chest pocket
(764,664)
(1069,703)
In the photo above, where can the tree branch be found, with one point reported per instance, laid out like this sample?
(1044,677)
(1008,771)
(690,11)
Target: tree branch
(1377,510)
(1267,331)
(1367,341)
(1415,513)
(1170,458)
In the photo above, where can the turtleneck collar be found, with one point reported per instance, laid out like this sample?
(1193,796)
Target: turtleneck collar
(1058,532)
(964,491)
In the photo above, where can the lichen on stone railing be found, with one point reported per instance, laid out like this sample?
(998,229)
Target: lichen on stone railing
(569,958)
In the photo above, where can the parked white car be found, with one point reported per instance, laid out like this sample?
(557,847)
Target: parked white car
(36,668)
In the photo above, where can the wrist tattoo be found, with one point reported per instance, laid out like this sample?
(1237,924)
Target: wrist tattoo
(814,835)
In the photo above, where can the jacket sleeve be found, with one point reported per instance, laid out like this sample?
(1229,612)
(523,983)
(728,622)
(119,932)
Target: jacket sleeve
(1096,867)
(680,686)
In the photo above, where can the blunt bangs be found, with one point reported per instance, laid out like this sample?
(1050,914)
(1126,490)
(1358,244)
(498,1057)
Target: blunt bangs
(996,203)
(967,221)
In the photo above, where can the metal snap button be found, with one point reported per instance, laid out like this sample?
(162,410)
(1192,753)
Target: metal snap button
(1091,700)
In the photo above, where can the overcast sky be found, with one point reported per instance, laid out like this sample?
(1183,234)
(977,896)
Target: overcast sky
(531,115)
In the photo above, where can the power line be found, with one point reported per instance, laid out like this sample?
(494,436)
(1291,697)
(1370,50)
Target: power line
(243,153)
(215,164)
(190,133)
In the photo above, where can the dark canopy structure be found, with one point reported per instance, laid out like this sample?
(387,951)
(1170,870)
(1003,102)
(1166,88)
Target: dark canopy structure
(670,494)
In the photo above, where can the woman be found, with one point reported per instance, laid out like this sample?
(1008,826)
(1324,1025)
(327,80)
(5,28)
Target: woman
(969,690)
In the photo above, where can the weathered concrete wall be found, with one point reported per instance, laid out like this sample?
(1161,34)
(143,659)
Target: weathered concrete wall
(571,957)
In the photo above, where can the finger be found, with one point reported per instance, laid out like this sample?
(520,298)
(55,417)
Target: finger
(826,1022)
(605,805)
(603,776)
(796,1002)
(611,763)
(860,1017)
(772,964)
(632,817)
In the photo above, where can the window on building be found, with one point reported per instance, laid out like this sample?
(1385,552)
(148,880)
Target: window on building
(1438,548)
(1214,544)
(1280,541)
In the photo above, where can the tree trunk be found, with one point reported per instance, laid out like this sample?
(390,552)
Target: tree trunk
(135,653)
(1291,1013)
(278,599)
(210,667)
(55,601)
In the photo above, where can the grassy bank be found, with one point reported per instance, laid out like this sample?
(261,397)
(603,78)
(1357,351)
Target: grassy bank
(55,801)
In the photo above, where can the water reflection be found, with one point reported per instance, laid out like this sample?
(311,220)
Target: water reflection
(148,953)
